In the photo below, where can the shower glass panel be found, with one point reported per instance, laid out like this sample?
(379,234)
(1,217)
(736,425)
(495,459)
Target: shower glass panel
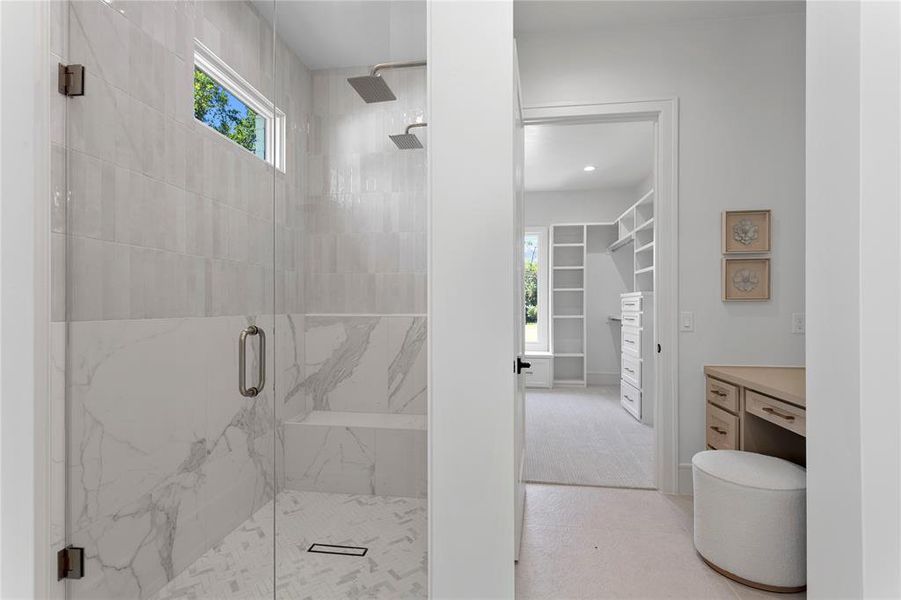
(351,508)
(168,238)
(351,395)
(239,238)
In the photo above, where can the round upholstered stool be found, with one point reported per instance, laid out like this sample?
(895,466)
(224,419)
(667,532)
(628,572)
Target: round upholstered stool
(749,518)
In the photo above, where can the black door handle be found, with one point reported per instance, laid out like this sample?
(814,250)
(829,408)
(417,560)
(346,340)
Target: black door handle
(520,365)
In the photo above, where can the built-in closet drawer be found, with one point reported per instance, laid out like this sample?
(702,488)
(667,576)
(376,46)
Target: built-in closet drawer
(775,411)
(539,373)
(631,370)
(724,395)
(631,319)
(722,429)
(630,398)
(631,341)
(630,304)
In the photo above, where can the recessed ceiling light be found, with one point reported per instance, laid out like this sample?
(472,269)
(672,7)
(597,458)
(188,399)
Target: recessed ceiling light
(588,168)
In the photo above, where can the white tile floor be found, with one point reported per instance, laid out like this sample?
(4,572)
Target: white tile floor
(590,542)
(394,530)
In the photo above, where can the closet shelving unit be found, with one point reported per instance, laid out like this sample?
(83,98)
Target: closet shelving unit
(569,246)
(636,226)
(567,306)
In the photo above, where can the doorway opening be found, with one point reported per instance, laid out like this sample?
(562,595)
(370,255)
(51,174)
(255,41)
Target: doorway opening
(599,301)
(589,212)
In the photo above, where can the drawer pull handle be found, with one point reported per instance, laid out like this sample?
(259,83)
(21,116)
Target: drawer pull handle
(628,341)
(717,392)
(718,430)
(772,411)
(630,370)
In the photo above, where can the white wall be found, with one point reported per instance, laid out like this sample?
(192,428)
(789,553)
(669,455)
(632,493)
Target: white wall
(880,293)
(596,206)
(607,275)
(853,346)
(24,298)
(741,127)
(471,417)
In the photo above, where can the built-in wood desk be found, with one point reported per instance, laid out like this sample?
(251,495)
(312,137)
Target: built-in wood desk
(757,409)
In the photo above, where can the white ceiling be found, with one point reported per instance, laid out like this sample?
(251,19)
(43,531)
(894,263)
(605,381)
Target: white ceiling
(622,154)
(544,16)
(343,33)
(349,33)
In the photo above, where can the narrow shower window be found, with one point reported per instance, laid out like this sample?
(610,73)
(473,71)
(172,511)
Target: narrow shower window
(224,112)
(227,103)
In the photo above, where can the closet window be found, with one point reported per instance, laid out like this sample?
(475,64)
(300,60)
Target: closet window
(535,284)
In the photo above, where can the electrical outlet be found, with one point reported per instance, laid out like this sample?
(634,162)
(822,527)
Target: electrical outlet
(798,325)
(686,321)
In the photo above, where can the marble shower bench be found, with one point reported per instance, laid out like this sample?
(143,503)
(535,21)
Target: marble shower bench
(382,454)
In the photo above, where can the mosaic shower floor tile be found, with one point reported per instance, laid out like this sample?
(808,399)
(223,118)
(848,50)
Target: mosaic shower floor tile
(241,565)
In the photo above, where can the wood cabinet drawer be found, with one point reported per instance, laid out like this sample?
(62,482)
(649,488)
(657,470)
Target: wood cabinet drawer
(631,341)
(722,429)
(631,304)
(630,398)
(724,395)
(631,319)
(539,374)
(631,370)
(775,411)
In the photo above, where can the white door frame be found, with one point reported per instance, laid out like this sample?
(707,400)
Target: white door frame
(664,113)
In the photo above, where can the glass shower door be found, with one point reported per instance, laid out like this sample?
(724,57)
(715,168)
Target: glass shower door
(171,158)
(241,295)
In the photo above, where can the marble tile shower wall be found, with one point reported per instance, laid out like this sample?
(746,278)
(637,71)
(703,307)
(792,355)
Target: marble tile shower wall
(167,229)
(371,364)
(365,293)
(366,200)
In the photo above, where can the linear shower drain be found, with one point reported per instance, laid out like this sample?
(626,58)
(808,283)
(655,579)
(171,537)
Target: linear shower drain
(334,549)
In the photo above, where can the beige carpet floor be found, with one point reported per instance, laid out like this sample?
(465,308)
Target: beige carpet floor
(582,436)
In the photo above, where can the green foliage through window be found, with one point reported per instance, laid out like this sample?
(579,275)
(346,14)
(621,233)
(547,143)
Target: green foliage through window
(531,278)
(224,112)
(531,292)
(530,283)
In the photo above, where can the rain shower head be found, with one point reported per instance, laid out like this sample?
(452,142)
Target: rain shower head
(372,88)
(407,140)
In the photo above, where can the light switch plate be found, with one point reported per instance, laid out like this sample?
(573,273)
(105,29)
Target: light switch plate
(686,321)
(798,324)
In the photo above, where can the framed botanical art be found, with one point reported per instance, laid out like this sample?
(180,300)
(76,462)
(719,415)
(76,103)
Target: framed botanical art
(746,279)
(746,231)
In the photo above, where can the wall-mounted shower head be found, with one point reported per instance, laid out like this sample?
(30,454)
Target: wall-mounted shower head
(372,88)
(407,140)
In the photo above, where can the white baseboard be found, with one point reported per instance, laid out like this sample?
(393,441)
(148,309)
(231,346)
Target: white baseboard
(603,378)
(686,486)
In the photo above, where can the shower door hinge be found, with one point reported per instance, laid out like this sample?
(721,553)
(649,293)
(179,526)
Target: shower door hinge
(71,80)
(70,563)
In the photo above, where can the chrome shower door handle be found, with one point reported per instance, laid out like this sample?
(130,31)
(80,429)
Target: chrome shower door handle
(242,362)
